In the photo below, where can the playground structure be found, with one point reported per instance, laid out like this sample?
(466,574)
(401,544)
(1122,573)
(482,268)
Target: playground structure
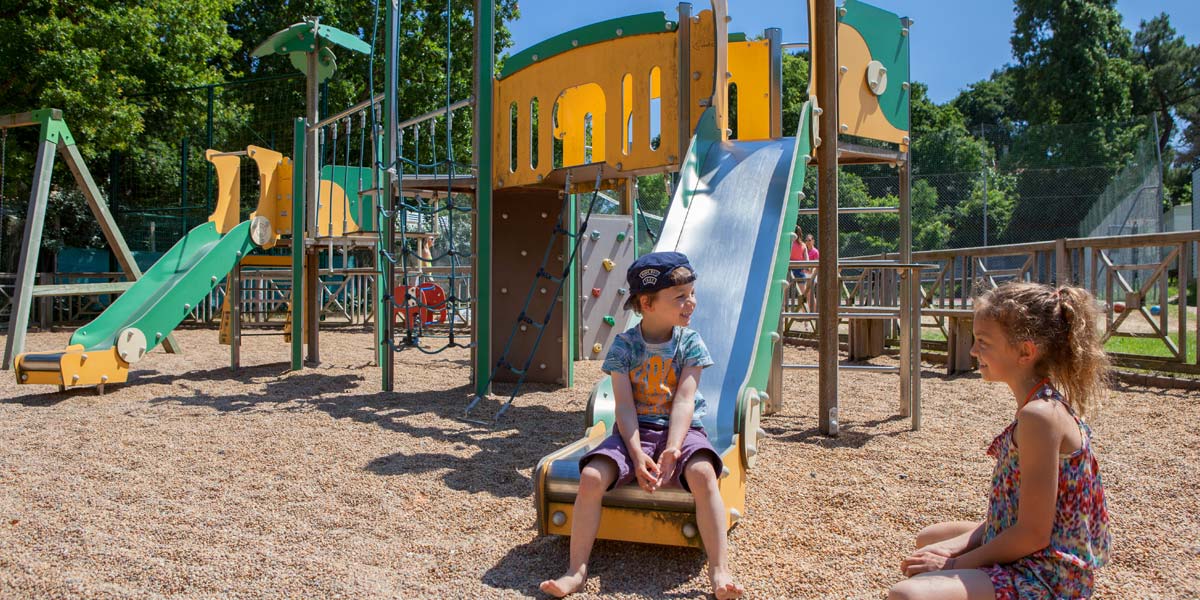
(617,99)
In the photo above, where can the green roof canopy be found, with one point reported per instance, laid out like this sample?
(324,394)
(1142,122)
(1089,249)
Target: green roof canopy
(311,36)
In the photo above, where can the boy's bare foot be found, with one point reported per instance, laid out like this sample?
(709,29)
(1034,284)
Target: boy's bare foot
(567,584)
(723,586)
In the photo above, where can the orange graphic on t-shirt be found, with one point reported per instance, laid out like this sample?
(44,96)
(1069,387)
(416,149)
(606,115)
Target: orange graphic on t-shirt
(653,386)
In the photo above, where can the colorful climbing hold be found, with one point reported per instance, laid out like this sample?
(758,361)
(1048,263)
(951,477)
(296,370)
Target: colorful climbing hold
(609,320)
(595,234)
(622,291)
(608,264)
(595,292)
(596,348)
(621,236)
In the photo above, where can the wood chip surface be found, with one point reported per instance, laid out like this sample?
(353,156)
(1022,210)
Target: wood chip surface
(193,481)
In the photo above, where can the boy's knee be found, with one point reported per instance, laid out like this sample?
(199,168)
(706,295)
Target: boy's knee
(700,474)
(591,480)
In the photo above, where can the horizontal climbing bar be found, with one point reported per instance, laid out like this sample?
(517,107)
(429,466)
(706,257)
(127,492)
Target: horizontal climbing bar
(814,367)
(843,315)
(865,264)
(81,289)
(435,113)
(852,210)
(345,113)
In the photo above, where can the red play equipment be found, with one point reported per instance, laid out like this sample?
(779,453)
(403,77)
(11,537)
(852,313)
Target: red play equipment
(428,294)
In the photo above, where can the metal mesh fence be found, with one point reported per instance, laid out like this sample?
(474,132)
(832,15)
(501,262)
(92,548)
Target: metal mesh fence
(166,186)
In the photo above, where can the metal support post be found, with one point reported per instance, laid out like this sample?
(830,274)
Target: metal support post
(312,300)
(684,34)
(774,37)
(235,317)
(825,21)
(31,243)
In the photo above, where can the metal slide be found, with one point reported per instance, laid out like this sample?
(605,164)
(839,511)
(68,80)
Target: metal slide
(733,214)
(141,317)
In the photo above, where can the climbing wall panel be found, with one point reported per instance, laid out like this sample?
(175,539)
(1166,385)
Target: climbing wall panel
(605,253)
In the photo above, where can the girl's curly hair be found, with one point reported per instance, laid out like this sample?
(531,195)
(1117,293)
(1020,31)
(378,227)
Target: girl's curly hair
(1064,324)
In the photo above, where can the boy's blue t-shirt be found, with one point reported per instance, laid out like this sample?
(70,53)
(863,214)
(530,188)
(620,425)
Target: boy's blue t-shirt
(654,370)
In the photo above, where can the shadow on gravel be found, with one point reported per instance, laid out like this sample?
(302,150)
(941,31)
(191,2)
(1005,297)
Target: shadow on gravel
(850,435)
(504,455)
(622,568)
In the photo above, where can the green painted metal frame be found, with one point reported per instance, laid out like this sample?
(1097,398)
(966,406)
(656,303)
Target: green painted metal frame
(298,220)
(485,90)
(882,32)
(654,22)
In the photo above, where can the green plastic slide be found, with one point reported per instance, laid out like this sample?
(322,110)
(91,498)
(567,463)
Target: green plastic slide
(158,302)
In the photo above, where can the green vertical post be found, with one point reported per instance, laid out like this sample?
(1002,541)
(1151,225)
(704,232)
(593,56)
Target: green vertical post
(298,199)
(387,225)
(485,67)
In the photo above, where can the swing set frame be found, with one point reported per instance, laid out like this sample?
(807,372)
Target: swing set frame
(55,135)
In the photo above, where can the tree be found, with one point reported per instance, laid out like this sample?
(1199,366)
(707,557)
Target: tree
(1172,73)
(1072,66)
(92,59)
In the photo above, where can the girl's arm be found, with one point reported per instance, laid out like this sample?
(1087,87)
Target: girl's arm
(682,409)
(957,545)
(626,418)
(1038,436)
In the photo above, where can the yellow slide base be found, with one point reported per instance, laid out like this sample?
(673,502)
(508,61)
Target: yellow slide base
(75,368)
(646,526)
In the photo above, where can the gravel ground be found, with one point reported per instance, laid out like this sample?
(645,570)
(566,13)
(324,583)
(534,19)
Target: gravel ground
(194,481)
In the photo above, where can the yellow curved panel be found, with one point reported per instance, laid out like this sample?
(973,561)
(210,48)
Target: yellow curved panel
(229,189)
(859,112)
(626,111)
(605,65)
(275,193)
(750,70)
(572,108)
(333,200)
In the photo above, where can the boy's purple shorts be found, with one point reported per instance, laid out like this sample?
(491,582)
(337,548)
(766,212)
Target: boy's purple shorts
(654,440)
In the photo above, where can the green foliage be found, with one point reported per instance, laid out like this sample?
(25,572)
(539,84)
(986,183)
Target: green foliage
(795,89)
(1073,66)
(92,58)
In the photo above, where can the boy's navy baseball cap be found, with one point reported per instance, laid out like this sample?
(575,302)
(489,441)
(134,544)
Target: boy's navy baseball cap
(649,273)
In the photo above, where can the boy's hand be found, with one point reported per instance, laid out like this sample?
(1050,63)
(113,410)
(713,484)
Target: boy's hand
(668,461)
(646,471)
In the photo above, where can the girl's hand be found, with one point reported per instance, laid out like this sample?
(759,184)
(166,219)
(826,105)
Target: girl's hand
(668,461)
(929,558)
(645,470)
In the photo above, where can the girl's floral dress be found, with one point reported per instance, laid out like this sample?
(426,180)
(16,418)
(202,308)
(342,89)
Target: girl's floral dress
(1079,541)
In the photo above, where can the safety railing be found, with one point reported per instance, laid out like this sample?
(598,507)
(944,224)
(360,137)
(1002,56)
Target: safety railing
(1140,280)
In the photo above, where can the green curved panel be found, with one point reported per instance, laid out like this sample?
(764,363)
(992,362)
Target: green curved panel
(882,32)
(595,33)
(159,301)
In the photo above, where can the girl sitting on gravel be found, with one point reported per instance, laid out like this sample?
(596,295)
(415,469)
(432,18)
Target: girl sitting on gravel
(1035,339)
(658,438)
